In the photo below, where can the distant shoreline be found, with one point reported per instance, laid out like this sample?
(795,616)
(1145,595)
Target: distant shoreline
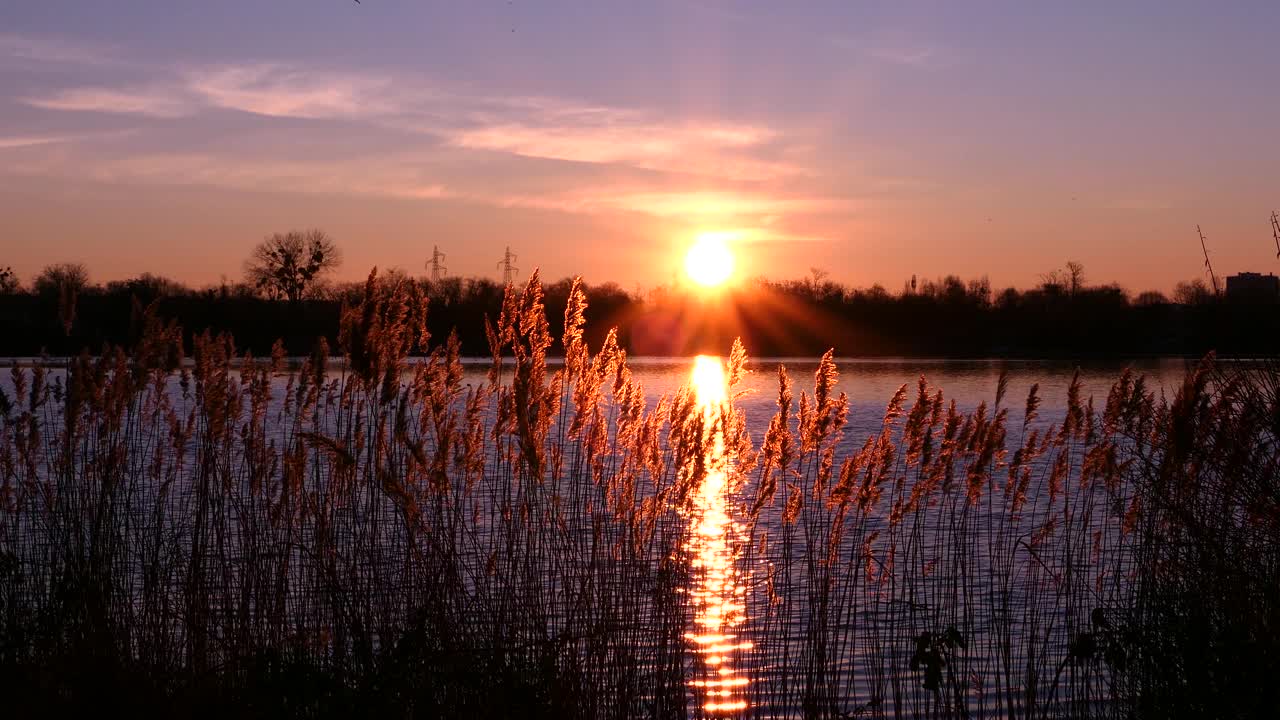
(669,360)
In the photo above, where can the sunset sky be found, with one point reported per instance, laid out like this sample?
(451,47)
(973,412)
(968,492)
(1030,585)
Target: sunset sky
(872,140)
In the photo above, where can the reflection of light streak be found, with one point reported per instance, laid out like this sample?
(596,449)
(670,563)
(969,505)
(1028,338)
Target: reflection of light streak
(717,587)
(709,383)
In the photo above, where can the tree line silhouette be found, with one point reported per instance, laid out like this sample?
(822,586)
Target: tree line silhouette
(285,295)
(62,314)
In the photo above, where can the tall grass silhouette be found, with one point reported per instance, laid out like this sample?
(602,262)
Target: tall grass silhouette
(229,534)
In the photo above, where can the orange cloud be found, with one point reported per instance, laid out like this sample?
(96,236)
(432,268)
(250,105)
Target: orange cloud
(614,137)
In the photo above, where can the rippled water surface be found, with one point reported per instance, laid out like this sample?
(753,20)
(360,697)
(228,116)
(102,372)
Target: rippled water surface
(763,637)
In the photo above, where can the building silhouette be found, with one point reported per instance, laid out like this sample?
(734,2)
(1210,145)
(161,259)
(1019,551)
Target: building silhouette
(1253,286)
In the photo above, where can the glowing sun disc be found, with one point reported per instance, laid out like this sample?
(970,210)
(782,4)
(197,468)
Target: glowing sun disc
(710,261)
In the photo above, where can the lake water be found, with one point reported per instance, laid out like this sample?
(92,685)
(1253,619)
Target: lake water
(751,640)
(871,383)
(745,645)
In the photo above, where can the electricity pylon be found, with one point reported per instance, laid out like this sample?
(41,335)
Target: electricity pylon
(509,270)
(436,265)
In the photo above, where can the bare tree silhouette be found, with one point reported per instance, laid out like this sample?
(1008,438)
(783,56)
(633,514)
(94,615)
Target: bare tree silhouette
(286,265)
(63,281)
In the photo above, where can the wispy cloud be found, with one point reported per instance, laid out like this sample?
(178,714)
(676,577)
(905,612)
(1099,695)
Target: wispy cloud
(535,127)
(764,234)
(707,204)
(21,141)
(912,56)
(269,89)
(158,102)
(747,217)
(892,47)
(416,174)
(277,90)
(13,142)
(369,177)
(628,138)
(600,158)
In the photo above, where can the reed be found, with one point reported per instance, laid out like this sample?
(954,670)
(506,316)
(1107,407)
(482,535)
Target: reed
(230,534)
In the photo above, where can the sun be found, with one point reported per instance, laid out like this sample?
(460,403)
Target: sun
(710,261)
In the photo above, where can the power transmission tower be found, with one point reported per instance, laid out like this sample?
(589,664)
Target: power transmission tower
(509,270)
(436,265)
(1275,230)
(1207,264)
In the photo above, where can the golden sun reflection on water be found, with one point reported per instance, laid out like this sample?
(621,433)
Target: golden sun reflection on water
(717,593)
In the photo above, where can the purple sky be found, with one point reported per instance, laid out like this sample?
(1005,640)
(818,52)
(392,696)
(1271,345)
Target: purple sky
(873,140)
